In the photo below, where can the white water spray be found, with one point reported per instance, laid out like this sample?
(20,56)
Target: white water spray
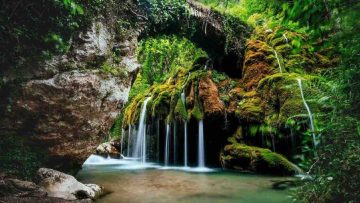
(174,144)
(167,145)
(308,110)
(128,143)
(140,145)
(201,150)
(183,99)
(278,60)
(286,39)
(122,141)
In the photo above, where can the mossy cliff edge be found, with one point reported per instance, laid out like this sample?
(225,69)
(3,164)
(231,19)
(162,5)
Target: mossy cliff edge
(264,105)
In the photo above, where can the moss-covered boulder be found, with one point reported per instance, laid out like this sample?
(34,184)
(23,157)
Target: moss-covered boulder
(248,158)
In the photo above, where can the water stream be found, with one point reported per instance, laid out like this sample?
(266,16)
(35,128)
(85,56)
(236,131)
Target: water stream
(201,150)
(129,140)
(286,39)
(140,145)
(167,145)
(278,60)
(183,99)
(122,141)
(308,110)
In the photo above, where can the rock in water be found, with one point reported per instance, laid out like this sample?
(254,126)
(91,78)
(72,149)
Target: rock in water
(107,148)
(61,185)
(248,158)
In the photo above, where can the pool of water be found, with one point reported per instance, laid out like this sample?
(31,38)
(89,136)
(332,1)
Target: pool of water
(127,183)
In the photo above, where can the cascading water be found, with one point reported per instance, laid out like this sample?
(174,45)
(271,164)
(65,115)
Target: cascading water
(278,60)
(286,39)
(201,150)
(140,145)
(129,140)
(183,99)
(174,145)
(167,145)
(122,141)
(308,110)
(158,140)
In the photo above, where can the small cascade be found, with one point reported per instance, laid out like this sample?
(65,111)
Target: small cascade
(183,99)
(122,141)
(174,145)
(129,140)
(286,39)
(140,145)
(308,110)
(185,145)
(201,150)
(278,60)
(167,145)
(158,140)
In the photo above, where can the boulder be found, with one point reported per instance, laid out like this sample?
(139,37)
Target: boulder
(248,158)
(65,107)
(107,148)
(61,185)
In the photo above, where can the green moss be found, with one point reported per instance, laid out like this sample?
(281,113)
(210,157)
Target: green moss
(116,129)
(180,110)
(249,109)
(256,159)
(196,112)
(114,70)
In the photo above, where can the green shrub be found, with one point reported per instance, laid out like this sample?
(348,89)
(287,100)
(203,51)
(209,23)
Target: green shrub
(17,158)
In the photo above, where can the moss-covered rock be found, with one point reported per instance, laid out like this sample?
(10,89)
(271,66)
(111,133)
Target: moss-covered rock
(248,158)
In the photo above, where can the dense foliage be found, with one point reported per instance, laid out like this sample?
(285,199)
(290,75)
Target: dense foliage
(332,29)
(36,29)
(161,57)
(322,28)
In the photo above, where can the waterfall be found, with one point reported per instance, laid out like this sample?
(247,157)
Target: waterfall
(122,141)
(201,151)
(308,110)
(183,99)
(278,60)
(140,145)
(185,145)
(167,145)
(174,144)
(286,39)
(129,139)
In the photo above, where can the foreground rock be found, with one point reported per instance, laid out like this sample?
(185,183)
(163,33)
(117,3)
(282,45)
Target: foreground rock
(248,158)
(13,190)
(64,186)
(65,107)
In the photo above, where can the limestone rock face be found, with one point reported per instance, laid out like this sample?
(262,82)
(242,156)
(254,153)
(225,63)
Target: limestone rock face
(71,113)
(65,107)
(64,186)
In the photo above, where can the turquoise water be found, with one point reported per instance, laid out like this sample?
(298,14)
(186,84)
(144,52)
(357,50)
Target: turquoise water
(157,185)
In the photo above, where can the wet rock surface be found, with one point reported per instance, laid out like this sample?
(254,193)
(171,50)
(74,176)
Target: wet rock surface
(64,186)
(53,186)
